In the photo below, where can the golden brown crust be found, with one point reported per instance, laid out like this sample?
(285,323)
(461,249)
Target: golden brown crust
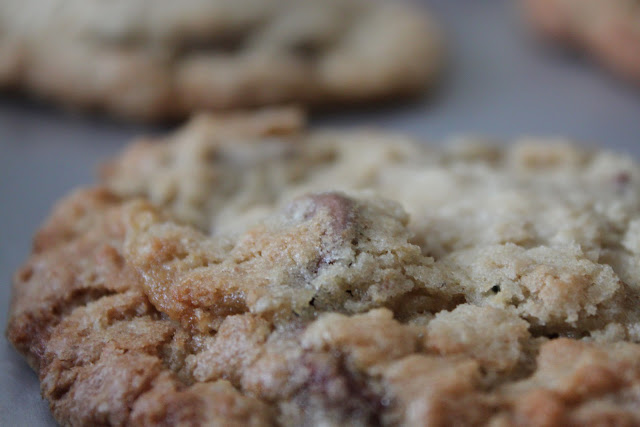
(266,281)
(578,383)
(53,282)
(80,317)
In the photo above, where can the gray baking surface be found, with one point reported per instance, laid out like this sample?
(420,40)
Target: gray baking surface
(500,82)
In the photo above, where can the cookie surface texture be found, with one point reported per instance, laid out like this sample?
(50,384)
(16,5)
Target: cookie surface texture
(608,30)
(247,271)
(155,60)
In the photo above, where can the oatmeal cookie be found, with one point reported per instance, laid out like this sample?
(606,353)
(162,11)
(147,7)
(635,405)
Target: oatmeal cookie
(246,271)
(164,59)
(607,29)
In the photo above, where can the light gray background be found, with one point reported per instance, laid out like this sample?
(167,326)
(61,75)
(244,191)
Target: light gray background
(500,83)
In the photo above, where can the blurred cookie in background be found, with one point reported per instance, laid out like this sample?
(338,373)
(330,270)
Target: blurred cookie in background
(609,30)
(162,60)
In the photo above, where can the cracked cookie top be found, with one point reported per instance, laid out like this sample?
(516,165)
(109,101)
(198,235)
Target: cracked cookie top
(245,269)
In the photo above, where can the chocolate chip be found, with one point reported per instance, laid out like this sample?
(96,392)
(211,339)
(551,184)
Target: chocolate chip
(622,178)
(306,49)
(229,43)
(339,208)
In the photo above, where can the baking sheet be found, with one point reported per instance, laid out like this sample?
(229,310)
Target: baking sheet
(500,83)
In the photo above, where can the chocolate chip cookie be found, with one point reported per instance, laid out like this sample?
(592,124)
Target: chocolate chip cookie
(247,271)
(165,59)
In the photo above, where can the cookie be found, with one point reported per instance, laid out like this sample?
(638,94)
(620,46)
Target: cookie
(157,60)
(247,271)
(609,30)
